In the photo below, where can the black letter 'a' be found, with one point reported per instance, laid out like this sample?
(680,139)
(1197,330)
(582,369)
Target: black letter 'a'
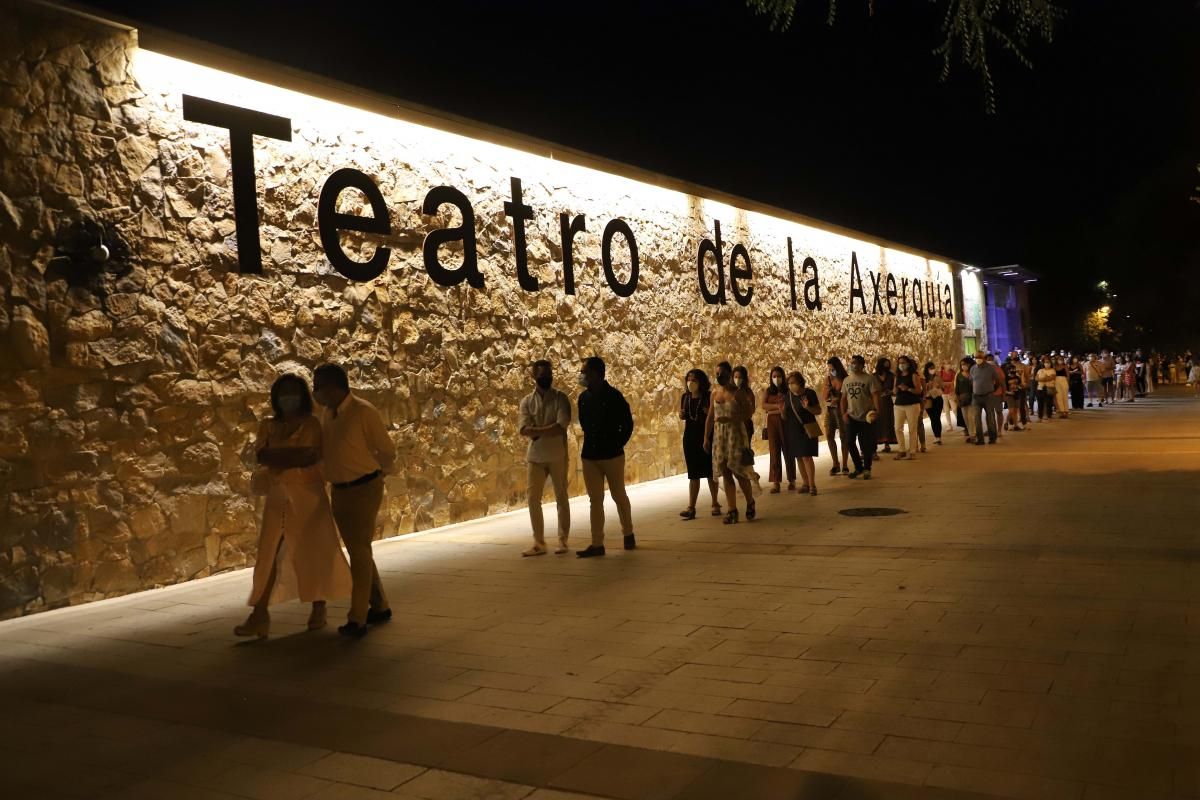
(469,271)
(243,125)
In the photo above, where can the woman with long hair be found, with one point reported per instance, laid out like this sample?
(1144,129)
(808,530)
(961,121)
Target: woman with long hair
(935,390)
(299,553)
(1062,387)
(693,410)
(726,438)
(1075,382)
(835,426)
(801,429)
(885,424)
(1046,389)
(741,382)
(963,392)
(772,404)
(908,389)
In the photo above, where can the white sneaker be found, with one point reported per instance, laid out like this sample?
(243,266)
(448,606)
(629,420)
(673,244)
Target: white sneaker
(536,550)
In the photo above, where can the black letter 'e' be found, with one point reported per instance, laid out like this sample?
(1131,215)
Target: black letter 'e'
(330,221)
(619,226)
(469,271)
(243,125)
(735,272)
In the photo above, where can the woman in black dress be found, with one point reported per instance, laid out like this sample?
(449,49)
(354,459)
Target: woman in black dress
(799,426)
(1075,382)
(693,410)
(885,425)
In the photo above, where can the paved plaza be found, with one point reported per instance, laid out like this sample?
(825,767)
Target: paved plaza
(1028,628)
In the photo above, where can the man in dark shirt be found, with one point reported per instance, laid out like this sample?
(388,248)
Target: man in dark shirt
(607,425)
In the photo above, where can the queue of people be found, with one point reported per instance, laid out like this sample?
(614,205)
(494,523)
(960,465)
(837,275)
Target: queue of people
(322,476)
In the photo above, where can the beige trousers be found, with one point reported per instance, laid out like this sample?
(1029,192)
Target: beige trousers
(557,472)
(355,510)
(595,473)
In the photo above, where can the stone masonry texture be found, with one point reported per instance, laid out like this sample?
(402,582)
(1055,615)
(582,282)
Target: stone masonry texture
(129,398)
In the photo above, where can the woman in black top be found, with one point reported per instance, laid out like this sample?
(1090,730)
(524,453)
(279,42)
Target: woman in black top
(693,410)
(965,394)
(799,416)
(885,425)
(909,393)
(1075,382)
(835,426)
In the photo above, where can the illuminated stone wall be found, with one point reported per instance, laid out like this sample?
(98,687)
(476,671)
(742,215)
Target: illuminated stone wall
(129,398)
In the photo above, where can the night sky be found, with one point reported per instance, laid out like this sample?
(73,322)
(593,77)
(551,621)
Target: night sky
(1083,173)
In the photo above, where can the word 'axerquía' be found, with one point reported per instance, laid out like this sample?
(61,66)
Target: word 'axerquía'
(733,277)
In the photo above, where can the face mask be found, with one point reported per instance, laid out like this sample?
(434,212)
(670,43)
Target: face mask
(583,380)
(794,388)
(544,381)
(289,403)
(737,381)
(693,386)
(778,381)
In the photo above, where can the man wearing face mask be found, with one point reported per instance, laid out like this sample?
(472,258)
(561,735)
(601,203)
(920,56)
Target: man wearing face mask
(985,380)
(357,453)
(859,407)
(544,416)
(607,425)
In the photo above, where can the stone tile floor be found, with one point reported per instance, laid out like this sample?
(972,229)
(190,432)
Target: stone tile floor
(1028,629)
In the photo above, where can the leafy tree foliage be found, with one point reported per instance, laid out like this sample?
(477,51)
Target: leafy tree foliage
(970,30)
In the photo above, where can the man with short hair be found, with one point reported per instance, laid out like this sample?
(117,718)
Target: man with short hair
(859,406)
(543,418)
(1108,371)
(1091,369)
(356,453)
(607,425)
(985,381)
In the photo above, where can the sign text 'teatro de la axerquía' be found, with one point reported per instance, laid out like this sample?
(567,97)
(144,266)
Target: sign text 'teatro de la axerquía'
(719,276)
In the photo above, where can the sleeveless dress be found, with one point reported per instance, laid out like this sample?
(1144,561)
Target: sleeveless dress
(298,535)
(885,424)
(695,416)
(728,442)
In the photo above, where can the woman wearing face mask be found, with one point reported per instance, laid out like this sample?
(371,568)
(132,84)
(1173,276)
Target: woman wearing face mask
(772,404)
(835,425)
(949,397)
(299,554)
(909,391)
(725,437)
(1062,388)
(1045,390)
(935,390)
(801,430)
(885,425)
(741,382)
(964,394)
(1075,381)
(693,410)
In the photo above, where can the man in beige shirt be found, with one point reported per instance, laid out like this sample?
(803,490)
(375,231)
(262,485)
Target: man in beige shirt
(357,451)
(544,416)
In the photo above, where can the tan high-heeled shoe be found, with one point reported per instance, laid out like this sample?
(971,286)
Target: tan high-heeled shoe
(317,619)
(255,625)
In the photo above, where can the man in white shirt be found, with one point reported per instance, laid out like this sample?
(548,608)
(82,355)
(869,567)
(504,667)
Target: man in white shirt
(1094,387)
(356,452)
(544,416)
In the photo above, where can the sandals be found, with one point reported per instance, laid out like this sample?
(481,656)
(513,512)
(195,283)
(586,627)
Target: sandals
(716,511)
(732,517)
(750,511)
(774,488)
(688,513)
(812,491)
(804,489)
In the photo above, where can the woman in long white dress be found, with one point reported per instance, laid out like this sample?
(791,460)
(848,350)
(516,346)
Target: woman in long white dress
(299,553)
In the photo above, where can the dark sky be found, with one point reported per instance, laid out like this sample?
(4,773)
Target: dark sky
(1083,174)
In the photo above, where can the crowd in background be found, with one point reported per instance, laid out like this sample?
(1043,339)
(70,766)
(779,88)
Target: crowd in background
(321,473)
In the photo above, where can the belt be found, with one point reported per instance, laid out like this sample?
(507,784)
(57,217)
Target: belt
(359,481)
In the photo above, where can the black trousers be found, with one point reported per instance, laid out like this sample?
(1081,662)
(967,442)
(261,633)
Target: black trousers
(935,416)
(860,440)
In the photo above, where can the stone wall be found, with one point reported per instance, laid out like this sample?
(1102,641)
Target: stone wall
(129,397)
